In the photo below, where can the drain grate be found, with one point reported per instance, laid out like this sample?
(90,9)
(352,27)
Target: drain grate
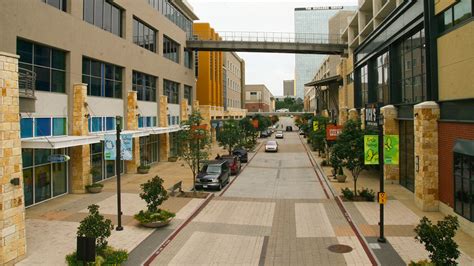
(340,248)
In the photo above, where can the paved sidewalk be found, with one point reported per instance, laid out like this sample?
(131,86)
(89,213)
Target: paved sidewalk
(401,217)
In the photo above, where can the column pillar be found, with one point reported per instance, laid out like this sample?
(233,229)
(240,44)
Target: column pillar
(362,118)
(390,127)
(164,138)
(426,150)
(132,124)
(184,110)
(343,115)
(12,208)
(80,155)
(353,114)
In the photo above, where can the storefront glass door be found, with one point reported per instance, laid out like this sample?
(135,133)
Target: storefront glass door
(407,154)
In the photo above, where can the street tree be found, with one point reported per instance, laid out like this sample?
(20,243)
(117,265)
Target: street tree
(230,135)
(349,149)
(194,142)
(249,132)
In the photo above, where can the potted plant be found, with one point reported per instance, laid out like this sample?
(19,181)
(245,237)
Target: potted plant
(154,194)
(172,159)
(341,177)
(335,163)
(143,169)
(94,188)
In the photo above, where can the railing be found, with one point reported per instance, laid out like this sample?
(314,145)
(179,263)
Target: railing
(279,37)
(26,82)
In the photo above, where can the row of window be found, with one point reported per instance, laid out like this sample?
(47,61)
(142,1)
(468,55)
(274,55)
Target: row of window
(59,4)
(456,14)
(170,49)
(103,79)
(147,121)
(43,127)
(171,89)
(235,86)
(144,35)
(102,169)
(104,14)
(145,86)
(173,120)
(101,123)
(173,14)
(233,103)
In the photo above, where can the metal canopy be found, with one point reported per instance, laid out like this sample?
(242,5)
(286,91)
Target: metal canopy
(58,142)
(326,82)
(464,146)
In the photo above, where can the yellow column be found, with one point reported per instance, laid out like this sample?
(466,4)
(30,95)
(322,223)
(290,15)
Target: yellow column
(390,127)
(132,124)
(164,138)
(353,114)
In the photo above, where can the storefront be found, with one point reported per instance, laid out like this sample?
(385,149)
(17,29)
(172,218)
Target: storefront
(173,144)
(101,169)
(149,149)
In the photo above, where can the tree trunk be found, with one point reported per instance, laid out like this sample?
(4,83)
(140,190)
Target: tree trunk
(355,186)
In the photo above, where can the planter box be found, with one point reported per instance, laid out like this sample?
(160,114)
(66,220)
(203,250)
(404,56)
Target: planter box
(157,224)
(143,170)
(172,159)
(341,178)
(94,189)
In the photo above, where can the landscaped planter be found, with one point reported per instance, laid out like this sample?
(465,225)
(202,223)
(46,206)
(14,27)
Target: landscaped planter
(341,178)
(172,159)
(94,189)
(157,224)
(141,170)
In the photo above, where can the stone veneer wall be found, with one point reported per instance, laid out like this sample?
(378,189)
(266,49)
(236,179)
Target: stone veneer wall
(132,124)
(80,155)
(164,138)
(353,114)
(343,115)
(12,208)
(390,127)
(362,118)
(426,148)
(184,110)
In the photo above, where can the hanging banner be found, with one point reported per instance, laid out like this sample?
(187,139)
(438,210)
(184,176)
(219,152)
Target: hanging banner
(126,148)
(315,125)
(390,149)
(332,131)
(371,148)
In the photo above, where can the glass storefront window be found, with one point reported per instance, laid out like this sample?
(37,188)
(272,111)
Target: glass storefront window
(42,127)
(59,178)
(102,169)
(28,186)
(41,156)
(59,127)
(42,183)
(455,15)
(27,157)
(464,185)
(26,126)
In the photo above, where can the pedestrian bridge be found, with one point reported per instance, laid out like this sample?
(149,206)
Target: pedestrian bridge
(268,42)
(277,113)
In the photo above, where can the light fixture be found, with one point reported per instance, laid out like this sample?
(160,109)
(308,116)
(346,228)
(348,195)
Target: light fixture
(87,115)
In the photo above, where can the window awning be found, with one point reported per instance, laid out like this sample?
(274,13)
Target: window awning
(325,82)
(464,146)
(162,130)
(58,142)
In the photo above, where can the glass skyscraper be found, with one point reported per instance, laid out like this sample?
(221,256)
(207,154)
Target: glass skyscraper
(311,21)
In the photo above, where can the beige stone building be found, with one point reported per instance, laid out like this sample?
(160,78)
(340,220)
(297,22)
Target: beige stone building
(234,82)
(258,98)
(70,71)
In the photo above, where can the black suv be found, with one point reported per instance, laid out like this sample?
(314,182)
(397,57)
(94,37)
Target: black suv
(242,153)
(289,128)
(213,174)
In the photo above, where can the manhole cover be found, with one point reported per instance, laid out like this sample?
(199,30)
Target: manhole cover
(340,248)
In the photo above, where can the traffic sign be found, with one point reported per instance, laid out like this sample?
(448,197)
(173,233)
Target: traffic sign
(382,198)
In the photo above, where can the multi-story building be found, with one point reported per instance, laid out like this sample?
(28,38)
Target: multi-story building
(258,98)
(85,66)
(413,58)
(234,82)
(289,88)
(311,22)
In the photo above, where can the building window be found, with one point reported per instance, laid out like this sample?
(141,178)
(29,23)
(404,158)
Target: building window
(455,15)
(103,79)
(464,185)
(171,89)
(173,14)
(149,149)
(144,35)
(170,49)
(42,179)
(59,4)
(147,121)
(102,169)
(350,78)
(364,85)
(43,127)
(145,86)
(101,124)
(103,14)
(49,65)
(188,94)
(382,72)
(188,59)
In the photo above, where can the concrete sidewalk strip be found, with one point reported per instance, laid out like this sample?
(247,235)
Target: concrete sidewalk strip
(395,213)
(131,204)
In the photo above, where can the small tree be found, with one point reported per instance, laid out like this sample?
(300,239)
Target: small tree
(438,239)
(349,148)
(230,136)
(96,226)
(154,194)
(194,142)
(249,133)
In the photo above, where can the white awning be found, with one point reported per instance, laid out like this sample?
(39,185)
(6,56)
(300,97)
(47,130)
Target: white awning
(58,142)
(161,130)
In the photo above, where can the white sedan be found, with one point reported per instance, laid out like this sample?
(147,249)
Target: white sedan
(271,146)
(279,134)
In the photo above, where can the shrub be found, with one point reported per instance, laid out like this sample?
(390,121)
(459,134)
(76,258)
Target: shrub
(114,256)
(369,195)
(96,226)
(438,239)
(421,263)
(71,260)
(94,185)
(324,163)
(347,193)
(150,217)
(153,193)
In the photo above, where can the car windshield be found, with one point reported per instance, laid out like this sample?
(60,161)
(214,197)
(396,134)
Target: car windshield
(212,169)
(279,132)
(271,143)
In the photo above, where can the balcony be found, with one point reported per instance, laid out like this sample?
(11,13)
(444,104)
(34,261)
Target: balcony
(26,87)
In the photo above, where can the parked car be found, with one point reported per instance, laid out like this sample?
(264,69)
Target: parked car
(289,128)
(271,146)
(264,134)
(279,134)
(242,153)
(213,174)
(234,163)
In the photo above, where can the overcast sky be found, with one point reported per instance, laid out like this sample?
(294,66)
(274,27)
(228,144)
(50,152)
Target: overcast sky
(259,15)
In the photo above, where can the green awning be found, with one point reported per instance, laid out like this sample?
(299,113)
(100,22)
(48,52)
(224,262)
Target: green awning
(464,146)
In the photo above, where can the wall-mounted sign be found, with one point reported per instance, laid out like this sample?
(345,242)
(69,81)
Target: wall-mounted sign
(315,125)
(332,131)
(390,149)
(126,147)
(58,158)
(371,115)
(371,149)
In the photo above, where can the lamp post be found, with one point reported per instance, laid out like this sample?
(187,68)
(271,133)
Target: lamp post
(381,238)
(118,160)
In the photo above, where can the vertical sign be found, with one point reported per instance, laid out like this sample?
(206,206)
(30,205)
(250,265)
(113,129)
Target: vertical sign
(315,125)
(126,147)
(390,149)
(371,147)
(372,112)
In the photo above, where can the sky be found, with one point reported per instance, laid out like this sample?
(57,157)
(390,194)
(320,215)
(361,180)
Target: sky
(263,16)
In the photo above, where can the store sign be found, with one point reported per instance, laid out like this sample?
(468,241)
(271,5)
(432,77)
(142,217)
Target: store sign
(255,123)
(332,131)
(315,125)
(126,147)
(371,149)
(58,158)
(372,112)
(390,149)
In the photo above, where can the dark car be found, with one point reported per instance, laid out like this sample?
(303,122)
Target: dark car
(264,134)
(242,153)
(289,128)
(234,163)
(213,174)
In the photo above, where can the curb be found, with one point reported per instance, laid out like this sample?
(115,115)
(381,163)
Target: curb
(241,170)
(317,169)
(170,238)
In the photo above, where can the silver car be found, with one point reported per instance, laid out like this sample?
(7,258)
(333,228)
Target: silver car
(271,146)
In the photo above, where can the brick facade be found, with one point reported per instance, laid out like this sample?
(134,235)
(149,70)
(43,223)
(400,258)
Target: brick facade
(256,107)
(448,133)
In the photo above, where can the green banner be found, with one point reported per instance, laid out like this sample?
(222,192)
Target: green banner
(390,149)
(315,125)
(371,149)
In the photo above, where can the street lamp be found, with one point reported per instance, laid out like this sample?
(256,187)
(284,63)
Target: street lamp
(118,160)
(380,123)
